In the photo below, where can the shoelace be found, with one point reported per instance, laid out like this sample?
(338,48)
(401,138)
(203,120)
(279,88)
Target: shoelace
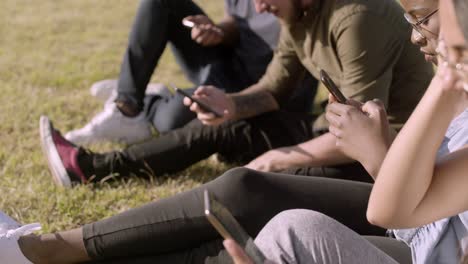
(21,231)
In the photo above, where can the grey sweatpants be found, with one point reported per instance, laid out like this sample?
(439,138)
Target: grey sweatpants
(305,236)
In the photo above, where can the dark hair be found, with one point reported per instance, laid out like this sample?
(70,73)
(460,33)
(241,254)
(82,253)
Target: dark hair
(461,11)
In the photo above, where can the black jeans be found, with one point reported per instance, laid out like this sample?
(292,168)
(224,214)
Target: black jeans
(158,23)
(238,141)
(175,230)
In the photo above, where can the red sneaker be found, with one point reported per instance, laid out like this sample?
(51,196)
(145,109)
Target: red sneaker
(62,155)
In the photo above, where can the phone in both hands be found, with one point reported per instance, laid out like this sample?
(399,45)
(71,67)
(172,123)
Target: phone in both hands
(228,227)
(332,88)
(202,105)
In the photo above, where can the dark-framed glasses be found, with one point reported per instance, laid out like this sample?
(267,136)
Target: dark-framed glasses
(416,24)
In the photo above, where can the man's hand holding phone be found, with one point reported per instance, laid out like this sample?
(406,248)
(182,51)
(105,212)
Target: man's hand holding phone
(204,30)
(216,99)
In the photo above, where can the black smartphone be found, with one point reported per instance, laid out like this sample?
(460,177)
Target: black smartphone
(228,227)
(202,105)
(332,88)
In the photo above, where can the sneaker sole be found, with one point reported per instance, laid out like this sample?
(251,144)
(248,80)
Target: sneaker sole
(56,168)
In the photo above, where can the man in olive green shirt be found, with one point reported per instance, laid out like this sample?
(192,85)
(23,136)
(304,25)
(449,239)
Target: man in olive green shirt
(363,45)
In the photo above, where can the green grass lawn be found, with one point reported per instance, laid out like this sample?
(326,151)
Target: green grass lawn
(50,53)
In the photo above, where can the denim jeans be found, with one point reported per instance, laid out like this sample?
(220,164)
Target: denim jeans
(175,230)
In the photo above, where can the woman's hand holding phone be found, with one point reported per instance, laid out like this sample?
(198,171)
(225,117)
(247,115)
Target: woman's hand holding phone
(237,254)
(216,99)
(204,31)
(362,131)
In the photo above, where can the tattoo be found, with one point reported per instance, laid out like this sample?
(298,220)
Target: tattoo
(252,104)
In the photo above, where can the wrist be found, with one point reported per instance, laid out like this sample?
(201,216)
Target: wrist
(446,101)
(231,107)
(228,32)
(373,162)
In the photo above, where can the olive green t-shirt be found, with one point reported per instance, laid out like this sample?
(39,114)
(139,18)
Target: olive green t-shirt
(365,48)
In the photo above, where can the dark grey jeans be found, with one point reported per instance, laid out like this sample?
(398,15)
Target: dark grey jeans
(175,230)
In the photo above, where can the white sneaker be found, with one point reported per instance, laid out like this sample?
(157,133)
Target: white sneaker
(10,251)
(102,90)
(111,125)
(106,90)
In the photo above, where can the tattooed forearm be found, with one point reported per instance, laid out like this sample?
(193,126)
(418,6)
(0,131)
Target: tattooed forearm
(252,104)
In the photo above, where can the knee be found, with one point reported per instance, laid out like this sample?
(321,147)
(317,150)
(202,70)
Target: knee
(172,114)
(297,222)
(160,3)
(237,182)
(234,177)
(151,4)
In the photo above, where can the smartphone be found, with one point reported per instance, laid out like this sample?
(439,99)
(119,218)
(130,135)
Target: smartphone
(332,88)
(228,227)
(188,23)
(202,105)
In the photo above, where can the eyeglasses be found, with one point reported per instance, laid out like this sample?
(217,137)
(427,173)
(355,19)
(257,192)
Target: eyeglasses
(459,66)
(416,24)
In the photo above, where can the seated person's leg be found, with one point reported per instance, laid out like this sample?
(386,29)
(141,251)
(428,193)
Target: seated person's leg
(173,151)
(240,141)
(208,253)
(170,113)
(266,132)
(303,236)
(110,124)
(353,172)
(392,247)
(252,197)
(178,224)
(157,23)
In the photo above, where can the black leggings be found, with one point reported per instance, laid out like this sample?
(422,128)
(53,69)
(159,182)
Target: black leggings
(175,230)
